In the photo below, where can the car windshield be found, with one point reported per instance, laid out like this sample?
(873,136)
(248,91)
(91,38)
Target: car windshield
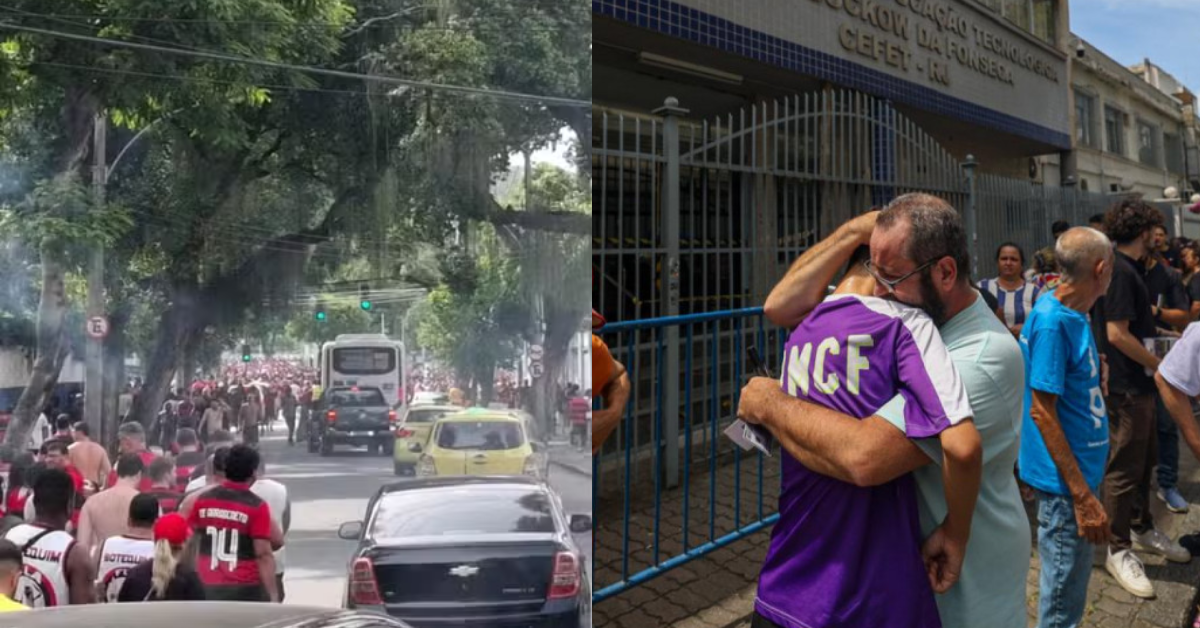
(357,398)
(449,511)
(485,435)
(426,415)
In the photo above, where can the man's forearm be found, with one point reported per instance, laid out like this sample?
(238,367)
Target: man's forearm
(1179,406)
(808,278)
(1045,415)
(1126,343)
(962,472)
(1175,318)
(840,446)
(266,571)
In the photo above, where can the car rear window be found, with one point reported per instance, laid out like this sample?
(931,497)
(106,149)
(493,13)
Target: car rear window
(357,398)
(483,435)
(449,511)
(426,415)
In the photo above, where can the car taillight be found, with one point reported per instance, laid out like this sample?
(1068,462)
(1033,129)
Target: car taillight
(565,582)
(404,433)
(364,589)
(331,416)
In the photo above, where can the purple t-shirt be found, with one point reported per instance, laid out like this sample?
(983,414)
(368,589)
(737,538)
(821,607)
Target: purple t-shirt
(842,556)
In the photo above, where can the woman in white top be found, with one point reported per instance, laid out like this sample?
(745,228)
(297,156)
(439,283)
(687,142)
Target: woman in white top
(1015,295)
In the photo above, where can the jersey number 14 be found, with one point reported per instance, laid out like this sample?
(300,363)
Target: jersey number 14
(224,547)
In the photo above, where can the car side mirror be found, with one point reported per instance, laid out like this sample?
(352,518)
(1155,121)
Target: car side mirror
(581,524)
(352,530)
(414,447)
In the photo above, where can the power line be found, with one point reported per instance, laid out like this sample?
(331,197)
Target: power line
(391,80)
(202,20)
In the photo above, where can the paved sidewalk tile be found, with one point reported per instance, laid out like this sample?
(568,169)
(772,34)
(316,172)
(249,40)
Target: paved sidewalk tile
(717,590)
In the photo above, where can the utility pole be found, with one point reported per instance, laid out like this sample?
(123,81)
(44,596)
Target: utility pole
(93,401)
(541,408)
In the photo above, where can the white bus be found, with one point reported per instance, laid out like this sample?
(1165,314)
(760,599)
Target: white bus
(368,360)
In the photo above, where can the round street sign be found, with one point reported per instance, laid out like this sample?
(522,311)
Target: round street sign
(97,327)
(535,352)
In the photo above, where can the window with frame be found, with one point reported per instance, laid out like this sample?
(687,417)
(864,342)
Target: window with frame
(1173,150)
(1085,105)
(1147,143)
(1114,131)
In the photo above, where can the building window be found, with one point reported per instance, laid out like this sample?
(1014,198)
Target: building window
(1114,131)
(1018,12)
(1085,106)
(1173,148)
(1044,19)
(1147,143)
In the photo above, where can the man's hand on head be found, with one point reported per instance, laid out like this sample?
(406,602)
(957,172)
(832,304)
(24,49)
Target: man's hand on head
(757,398)
(863,226)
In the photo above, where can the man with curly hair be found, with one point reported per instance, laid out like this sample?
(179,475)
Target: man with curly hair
(1127,318)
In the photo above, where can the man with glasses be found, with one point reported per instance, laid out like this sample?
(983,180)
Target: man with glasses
(919,257)
(853,353)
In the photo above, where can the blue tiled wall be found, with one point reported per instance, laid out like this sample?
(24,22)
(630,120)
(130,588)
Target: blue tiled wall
(676,20)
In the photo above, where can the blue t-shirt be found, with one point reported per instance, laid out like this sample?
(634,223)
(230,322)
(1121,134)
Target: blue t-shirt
(1061,359)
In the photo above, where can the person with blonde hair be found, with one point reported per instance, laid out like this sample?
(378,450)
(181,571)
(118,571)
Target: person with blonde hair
(169,575)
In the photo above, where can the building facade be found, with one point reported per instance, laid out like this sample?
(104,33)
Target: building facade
(1129,133)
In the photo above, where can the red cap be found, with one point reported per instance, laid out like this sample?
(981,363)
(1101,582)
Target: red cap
(172,528)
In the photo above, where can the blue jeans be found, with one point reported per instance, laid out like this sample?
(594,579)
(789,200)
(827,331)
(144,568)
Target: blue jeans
(1066,563)
(1168,447)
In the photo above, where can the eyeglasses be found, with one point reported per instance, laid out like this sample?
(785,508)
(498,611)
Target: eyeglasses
(891,284)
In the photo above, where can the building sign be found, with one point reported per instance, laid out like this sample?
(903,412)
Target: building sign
(950,46)
(887,31)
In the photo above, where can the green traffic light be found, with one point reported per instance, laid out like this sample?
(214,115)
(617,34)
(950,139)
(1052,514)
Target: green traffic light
(366,305)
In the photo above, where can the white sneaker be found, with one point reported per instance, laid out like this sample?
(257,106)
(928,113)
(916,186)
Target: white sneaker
(1127,570)
(1156,542)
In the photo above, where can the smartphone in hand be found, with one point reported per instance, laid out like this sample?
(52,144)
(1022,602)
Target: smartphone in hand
(747,435)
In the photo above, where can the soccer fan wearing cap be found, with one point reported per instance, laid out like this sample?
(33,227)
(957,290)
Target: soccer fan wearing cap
(608,377)
(167,576)
(238,538)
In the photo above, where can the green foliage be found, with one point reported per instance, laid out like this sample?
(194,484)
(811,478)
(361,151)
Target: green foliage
(461,327)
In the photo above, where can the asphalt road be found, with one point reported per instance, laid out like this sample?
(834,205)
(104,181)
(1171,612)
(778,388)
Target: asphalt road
(326,492)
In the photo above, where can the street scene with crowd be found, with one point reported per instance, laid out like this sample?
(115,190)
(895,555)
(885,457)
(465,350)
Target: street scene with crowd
(292,313)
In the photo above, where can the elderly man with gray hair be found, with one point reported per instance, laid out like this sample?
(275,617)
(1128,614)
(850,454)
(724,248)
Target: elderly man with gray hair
(1065,435)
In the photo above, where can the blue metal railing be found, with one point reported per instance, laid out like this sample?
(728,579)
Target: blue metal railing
(722,338)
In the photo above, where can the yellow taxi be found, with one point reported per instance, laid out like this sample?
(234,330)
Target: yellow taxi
(481,441)
(416,422)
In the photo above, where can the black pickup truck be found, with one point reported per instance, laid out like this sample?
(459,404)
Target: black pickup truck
(358,417)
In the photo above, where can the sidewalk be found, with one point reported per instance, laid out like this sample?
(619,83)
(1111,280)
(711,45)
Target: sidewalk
(717,591)
(563,455)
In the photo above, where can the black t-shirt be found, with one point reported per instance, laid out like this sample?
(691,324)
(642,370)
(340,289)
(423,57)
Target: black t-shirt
(184,586)
(1128,300)
(1166,282)
(1193,287)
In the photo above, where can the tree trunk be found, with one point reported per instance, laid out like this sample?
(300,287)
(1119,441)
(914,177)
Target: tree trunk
(51,350)
(174,330)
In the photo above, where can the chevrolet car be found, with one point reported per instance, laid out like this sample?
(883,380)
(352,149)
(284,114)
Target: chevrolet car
(469,551)
(416,422)
(481,442)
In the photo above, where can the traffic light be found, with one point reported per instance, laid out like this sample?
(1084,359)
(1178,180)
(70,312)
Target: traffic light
(364,297)
(246,353)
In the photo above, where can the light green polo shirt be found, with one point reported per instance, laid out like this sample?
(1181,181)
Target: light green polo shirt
(991,591)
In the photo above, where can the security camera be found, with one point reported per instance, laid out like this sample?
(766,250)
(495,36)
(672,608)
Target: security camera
(1080,50)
